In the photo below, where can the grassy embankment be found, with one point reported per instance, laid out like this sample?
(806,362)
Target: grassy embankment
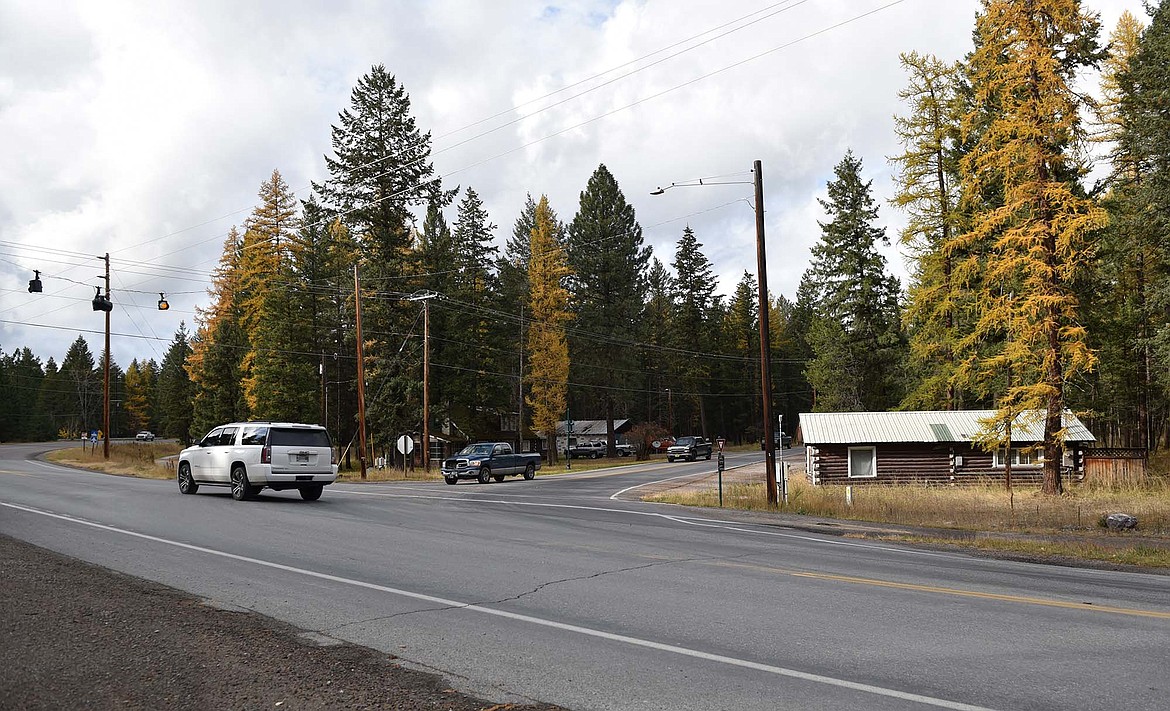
(126,458)
(1072,522)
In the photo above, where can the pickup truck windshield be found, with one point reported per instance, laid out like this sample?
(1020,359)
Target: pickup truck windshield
(685,441)
(480,449)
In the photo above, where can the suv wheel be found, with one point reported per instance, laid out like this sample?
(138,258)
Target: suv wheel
(312,492)
(187,483)
(242,489)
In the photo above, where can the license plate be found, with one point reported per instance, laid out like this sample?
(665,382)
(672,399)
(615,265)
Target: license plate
(303,458)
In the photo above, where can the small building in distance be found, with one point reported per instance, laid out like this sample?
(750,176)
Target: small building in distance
(590,431)
(928,447)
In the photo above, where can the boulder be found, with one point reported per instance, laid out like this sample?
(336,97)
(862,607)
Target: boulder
(1120,522)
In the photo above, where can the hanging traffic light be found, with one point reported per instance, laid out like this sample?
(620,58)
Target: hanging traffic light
(162,302)
(34,284)
(101,303)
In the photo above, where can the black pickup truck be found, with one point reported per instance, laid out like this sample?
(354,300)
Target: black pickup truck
(484,461)
(689,448)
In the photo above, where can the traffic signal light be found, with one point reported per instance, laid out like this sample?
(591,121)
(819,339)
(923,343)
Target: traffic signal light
(101,303)
(34,284)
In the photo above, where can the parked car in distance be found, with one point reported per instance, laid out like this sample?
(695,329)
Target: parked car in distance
(586,450)
(484,461)
(250,456)
(144,436)
(689,448)
(626,450)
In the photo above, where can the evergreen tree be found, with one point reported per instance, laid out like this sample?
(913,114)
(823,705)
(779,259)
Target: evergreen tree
(83,382)
(139,385)
(547,374)
(656,359)
(279,376)
(927,183)
(380,168)
(608,262)
(218,348)
(176,398)
(1140,207)
(694,297)
(1025,63)
(740,370)
(21,380)
(855,335)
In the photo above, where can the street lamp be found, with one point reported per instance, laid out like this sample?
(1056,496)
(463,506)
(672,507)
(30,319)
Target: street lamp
(765,340)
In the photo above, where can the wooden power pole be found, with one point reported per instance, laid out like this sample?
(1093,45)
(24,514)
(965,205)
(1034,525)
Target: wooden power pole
(361,372)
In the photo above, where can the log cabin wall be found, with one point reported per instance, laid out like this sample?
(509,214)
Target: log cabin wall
(918,463)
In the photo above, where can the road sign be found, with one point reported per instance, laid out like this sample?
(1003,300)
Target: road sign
(720,442)
(405,444)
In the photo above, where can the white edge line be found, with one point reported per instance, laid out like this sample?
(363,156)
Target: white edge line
(626,639)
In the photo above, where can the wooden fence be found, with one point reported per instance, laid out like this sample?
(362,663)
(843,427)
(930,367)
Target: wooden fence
(1114,466)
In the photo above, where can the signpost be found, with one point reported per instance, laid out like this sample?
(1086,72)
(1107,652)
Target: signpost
(405,446)
(720,473)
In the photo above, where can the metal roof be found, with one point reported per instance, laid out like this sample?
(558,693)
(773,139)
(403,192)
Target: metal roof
(925,426)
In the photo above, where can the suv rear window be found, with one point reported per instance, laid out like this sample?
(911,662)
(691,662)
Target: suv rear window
(254,435)
(281,437)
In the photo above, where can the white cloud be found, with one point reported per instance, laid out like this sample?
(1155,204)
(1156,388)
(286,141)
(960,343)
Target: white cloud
(145,130)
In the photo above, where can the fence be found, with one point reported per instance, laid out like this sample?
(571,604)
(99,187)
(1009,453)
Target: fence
(1115,466)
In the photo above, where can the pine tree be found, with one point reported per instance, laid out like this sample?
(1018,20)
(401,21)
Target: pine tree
(1142,208)
(656,358)
(83,381)
(547,373)
(279,375)
(694,298)
(855,335)
(380,168)
(927,182)
(218,348)
(176,397)
(740,370)
(608,286)
(1025,63)
(139,396)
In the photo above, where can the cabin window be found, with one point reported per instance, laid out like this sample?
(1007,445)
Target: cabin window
(1021,456)
(862,462)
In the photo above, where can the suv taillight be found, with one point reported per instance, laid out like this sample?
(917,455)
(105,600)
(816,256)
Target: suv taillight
(266,454)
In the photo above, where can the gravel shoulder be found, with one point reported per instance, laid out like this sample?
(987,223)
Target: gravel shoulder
(79,636)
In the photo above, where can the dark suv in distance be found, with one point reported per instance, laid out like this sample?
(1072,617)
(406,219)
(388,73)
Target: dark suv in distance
(689,448)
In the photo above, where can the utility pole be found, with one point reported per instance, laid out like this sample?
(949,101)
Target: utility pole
(106,369)
(426,433)
(324,396)
(361,372)
(426,394)
(765,341)
(520,389)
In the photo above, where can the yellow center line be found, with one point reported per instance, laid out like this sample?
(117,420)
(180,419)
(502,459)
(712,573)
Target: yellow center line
(1089,607)
(9,471)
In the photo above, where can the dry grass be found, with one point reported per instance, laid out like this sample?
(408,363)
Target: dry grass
(418,474)
(136,459)
(1138,555)
(969,508)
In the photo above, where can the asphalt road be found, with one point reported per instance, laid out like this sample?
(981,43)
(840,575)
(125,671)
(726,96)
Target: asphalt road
(563,591)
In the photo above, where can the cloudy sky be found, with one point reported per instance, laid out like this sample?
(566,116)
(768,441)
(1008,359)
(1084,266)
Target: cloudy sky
(145,129)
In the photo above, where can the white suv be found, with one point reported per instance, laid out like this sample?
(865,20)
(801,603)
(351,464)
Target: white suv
(249,456)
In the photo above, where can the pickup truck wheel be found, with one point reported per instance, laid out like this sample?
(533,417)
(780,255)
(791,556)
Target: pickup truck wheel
(485,475)
(530,472)
(708,456)
(670,459)
(452,480)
